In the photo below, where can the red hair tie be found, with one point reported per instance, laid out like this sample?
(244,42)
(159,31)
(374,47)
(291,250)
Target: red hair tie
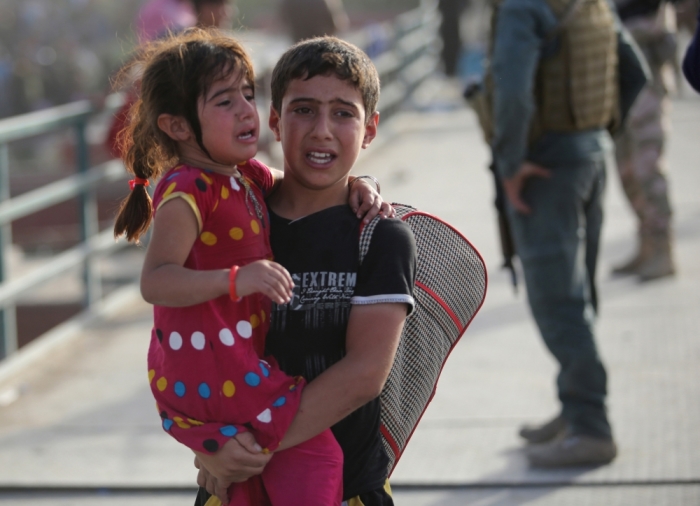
(138,180)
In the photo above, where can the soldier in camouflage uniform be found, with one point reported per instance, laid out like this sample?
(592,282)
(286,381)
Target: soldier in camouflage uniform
(640,145)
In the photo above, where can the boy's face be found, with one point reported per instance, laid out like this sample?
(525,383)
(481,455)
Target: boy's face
(322,127)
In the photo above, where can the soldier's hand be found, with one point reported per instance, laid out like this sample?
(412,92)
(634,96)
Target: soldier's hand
(513,186)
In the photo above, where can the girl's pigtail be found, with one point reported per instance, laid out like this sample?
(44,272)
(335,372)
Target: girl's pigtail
(171,74)
(136,211)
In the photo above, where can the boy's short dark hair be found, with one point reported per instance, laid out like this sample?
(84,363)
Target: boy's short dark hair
(326,56)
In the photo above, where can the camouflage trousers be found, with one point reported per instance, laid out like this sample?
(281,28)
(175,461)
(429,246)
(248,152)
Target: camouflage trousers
(640,161)
(641,143)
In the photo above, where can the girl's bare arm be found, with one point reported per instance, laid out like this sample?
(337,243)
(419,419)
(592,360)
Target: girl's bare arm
(166,282)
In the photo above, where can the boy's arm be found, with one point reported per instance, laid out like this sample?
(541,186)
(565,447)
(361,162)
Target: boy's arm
(382,299)
(372,338)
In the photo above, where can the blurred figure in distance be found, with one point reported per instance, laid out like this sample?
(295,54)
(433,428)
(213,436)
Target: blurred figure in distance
(451,11)
(641,143)
(157,17)
(313,18)
(217,13)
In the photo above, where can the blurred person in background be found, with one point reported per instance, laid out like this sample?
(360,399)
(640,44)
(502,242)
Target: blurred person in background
(216,13)
(5,81)
(57,51)
(642,140)
(691,60)
(157,17)
(686,15)
(562,73)
(451,12)
(313,18)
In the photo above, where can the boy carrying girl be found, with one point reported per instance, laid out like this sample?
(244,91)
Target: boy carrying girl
(342,327)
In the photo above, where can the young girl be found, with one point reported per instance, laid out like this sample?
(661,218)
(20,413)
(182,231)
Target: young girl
(208,269)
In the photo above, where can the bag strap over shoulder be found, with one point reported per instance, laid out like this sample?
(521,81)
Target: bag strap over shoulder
(367,230)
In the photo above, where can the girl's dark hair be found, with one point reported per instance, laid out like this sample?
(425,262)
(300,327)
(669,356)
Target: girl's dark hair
(173,73)
(326,56)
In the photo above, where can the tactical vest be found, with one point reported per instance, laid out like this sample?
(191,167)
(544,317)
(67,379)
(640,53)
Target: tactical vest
(577,88)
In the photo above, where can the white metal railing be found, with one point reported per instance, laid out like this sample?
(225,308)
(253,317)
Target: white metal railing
(407,56)
(83,185)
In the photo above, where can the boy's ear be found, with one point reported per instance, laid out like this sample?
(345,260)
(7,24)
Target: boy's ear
(175,127)
(371,129)
(274,122)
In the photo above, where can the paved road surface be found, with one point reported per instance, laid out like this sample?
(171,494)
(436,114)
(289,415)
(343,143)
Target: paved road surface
(82,417)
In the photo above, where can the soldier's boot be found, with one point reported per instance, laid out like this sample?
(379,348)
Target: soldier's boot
(660,263)
(545,432)
(633,265)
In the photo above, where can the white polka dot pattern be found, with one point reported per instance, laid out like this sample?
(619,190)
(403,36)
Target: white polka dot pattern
(265,416)
(175,341)
(226,337)
(198,341)
(244,329)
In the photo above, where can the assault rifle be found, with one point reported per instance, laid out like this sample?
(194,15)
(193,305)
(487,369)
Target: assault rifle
(473,94)
(504,232)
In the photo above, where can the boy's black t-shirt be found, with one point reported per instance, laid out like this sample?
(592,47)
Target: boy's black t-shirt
(306,336)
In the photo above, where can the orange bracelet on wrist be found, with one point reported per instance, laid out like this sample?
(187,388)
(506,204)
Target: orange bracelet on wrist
(232,283)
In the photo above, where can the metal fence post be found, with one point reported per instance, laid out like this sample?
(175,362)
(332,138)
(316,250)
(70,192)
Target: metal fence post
(8,316)
(89,226)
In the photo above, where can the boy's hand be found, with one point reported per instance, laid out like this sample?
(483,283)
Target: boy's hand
(268,278)
(239,459)
(366,203)
(208,482)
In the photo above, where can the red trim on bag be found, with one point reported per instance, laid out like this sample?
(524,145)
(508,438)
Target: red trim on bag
(382,428)
(390,440)
(444,305)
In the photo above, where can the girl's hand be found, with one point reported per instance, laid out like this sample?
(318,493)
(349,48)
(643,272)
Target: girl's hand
(268,278)
(366,202)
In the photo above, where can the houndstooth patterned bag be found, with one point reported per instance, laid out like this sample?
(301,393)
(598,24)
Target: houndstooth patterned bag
(450,289)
